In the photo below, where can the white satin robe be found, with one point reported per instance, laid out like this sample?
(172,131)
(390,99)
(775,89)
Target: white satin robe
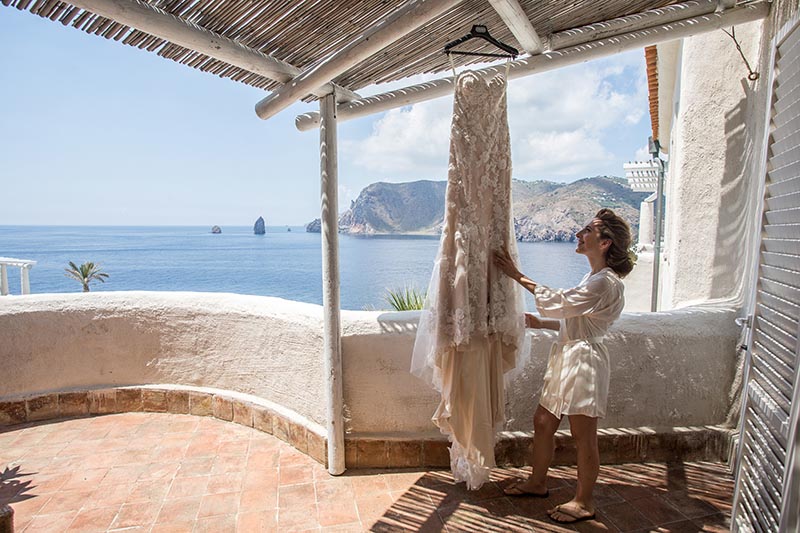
(578,370)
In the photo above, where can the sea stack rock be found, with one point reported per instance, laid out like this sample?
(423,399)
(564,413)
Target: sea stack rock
(315,226)
(259,228)
(216,229)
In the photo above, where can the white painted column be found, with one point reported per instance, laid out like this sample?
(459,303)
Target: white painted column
(646,223)
(330,283)
(659,223)
(25,279)
(3,280)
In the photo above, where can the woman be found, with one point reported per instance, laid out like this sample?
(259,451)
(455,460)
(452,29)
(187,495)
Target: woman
(576,381)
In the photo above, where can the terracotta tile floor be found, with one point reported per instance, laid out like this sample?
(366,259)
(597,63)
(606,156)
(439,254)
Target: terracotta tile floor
(164,472)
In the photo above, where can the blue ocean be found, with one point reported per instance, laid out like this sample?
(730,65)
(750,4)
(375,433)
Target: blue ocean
(286,262)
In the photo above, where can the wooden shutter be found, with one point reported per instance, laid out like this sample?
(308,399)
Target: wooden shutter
(769,423)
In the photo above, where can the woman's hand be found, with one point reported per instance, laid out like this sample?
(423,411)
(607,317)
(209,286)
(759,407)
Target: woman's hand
(506,265)
(504,262)
(532,321)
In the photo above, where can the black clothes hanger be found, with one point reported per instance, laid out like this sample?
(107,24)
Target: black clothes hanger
(481,32)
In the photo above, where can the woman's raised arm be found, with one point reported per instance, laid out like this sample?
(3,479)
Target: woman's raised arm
(506,264)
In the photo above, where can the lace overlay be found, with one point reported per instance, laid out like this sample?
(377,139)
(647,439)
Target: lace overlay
(472,331)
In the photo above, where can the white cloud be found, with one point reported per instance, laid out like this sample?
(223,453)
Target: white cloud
(643,154)
(406,142)
(560,154)
(563,123)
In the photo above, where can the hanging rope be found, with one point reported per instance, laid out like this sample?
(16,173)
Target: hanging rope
(452,64)
(752,76)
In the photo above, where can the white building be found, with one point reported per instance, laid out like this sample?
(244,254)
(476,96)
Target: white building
(733,231)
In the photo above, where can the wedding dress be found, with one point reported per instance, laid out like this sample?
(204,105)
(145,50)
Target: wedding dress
(472,329)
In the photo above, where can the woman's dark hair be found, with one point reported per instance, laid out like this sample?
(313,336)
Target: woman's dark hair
(618,257)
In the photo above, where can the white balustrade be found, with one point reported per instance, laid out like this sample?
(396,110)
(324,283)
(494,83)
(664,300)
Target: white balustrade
(25,265)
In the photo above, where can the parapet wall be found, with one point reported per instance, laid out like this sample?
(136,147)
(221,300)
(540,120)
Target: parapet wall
(266,347)
(670,369)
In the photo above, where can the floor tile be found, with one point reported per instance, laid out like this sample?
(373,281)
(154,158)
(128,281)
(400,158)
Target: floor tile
(91,520)
(179,473)
(185,487)
(296,495)
(259,521)
(657,510)
(219,504)
(216,524)
(141,514)
(50,522)
(179,510)
(298,517)
(626,517)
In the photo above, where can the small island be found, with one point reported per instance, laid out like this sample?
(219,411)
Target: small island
(259,228)
(216,229)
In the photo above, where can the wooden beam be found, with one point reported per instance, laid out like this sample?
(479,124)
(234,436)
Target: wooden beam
(517,21)
(159,23)
(587,51)
(398,24)
(332,329)
(631,23)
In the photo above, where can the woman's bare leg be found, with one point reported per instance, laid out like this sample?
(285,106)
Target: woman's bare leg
(545,425)
(584,431)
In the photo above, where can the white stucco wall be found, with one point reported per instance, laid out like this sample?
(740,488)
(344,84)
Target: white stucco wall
(267,347)
(715,145)
(639,283)
(669,369)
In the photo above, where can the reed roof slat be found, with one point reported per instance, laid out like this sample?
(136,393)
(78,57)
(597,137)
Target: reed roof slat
(304,32)
(68,16)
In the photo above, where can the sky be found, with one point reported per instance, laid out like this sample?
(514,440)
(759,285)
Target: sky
(94,132)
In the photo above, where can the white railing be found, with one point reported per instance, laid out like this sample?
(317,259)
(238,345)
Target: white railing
(24,266)
(642,176)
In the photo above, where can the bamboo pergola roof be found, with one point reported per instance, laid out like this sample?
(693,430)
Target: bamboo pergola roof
(304,32)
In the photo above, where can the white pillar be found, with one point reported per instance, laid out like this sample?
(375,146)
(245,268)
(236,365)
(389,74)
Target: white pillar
(646,223)
(3,280)
(25,279)
(330,283)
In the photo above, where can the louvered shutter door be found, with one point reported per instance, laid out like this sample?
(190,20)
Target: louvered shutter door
(768,424)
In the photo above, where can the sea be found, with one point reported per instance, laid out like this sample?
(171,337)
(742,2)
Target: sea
(286,262)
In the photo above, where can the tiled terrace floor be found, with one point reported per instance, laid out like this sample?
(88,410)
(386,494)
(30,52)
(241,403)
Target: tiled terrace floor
(166,472)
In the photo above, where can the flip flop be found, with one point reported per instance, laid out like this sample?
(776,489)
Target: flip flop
(575,519)
(516,492)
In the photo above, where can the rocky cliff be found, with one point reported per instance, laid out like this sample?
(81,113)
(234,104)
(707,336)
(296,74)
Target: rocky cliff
(556,214)
(543,210)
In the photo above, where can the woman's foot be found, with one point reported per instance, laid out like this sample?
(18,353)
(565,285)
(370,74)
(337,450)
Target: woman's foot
(570,512)
(524,488)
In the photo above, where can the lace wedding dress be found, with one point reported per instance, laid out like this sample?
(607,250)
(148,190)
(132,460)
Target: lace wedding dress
(472,330)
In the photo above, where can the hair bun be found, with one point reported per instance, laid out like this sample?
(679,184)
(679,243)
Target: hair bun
(619,257)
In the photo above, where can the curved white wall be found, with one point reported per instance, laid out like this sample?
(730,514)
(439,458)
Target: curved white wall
(669,369)
(267,347)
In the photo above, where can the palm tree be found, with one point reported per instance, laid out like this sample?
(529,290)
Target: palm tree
(85,274)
